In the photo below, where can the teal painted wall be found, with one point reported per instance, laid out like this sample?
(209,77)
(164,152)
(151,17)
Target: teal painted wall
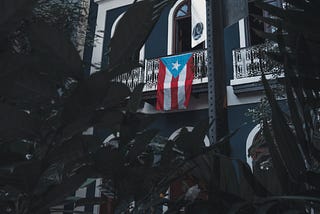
(156,44)
(88,48)
(237,118)
(111,16)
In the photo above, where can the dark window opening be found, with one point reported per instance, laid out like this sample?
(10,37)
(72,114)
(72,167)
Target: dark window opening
(182,29)
(255,24)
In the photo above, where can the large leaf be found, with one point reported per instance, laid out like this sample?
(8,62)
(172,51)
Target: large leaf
(87,97)
(24,83)
(133,123)
(108,120)
(135,98)
(297,118)
(21,175)
(108,161)
(277,11)
(54,44)
(269,36)
(11,13)
(192,143)
(204,167)
(139,145)
(58,193)
(91,94)
(285,139)
(78,126)
(76,148)
(276,22)
(228,178)
(278,162)
(134,27)
(249,179)
(51,176)
(299,3)
(116,95)
(295,18)
(200,131)
(16,124)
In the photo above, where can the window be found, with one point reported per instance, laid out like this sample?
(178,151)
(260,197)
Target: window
(182,29)
(253,23)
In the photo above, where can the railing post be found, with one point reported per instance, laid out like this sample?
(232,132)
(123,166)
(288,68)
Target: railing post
(235,62)
(145,74)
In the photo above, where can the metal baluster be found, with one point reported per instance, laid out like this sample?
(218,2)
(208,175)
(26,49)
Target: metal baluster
(194,56)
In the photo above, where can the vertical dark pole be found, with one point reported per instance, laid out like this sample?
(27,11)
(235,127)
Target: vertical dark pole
(211,83)
(216,71)
(216,88)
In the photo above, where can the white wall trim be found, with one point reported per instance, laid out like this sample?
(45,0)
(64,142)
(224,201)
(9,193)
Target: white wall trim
(114,25)
(199,103)
(170,27)
(242,33)
(233,99)
(250,139)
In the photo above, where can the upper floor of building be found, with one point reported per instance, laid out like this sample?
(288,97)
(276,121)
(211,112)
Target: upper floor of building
(245,52)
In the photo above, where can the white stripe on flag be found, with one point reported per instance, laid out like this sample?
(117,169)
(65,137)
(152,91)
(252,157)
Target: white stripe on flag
(181,87)
(167,90)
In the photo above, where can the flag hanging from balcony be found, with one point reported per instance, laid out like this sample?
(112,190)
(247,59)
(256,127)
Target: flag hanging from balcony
(174,82)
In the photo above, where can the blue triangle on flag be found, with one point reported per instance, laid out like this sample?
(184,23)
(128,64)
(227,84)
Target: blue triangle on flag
(176,63)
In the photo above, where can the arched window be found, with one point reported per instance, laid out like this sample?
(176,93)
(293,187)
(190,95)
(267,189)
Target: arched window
(182,28)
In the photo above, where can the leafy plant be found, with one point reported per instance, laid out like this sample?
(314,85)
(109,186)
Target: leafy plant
(291,139)
(47,103)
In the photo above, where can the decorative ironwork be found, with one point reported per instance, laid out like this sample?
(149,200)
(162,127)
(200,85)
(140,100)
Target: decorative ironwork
(200,61)
(252,61)
(149,74)
(131,79)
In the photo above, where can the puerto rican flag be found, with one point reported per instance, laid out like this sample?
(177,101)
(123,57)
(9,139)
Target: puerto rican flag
(174,82)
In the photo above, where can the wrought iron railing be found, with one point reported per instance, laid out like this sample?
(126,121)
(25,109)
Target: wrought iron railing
(252,61)
(132,79)
(149,74)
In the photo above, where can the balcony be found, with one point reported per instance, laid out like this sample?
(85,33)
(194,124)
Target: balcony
(149,75)
(248,65)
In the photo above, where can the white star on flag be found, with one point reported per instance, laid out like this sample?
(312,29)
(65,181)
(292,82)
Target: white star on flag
(175,65)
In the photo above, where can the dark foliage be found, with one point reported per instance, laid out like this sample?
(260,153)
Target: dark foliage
(292,140)
(47,103)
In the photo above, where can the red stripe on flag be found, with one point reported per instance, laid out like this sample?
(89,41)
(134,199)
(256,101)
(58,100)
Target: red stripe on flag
(174,92)
(188,82)
(160,85)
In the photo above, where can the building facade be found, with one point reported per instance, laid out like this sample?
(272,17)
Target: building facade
(244,62)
